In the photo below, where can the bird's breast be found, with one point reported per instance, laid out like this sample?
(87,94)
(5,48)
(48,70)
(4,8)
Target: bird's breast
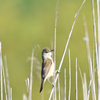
(51,71)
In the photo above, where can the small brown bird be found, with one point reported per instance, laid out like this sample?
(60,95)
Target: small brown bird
(47,66)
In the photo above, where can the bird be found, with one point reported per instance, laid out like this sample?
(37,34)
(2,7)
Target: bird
(47,69)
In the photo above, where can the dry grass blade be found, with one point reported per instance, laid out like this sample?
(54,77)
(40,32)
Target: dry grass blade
(66,48)
(4,83)
(31,78)
(65,84)
(85,87)
(93,58)
(29,81)
(90,62)
(57,11)
(1,77)
(27,84)
(98,67)
(76,91)
(10,94)
(94,28)
(24,97)
(59,88)
(7,77)
(95,41)
(82,81)
(88,93)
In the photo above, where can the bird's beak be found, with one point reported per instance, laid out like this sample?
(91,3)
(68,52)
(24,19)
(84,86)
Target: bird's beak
(51,50)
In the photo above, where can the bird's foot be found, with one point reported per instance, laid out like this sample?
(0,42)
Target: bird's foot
(57,71)
(53,85)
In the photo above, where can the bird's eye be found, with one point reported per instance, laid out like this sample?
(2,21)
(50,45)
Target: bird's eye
(46,51)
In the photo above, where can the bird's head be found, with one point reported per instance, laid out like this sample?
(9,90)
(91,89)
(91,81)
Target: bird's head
(46,53)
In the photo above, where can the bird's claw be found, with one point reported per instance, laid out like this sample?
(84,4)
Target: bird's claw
(57,71)
(53,85)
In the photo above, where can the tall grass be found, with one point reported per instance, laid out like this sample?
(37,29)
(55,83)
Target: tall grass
(6,90)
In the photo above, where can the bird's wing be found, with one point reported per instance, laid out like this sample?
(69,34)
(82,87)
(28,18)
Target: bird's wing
(46,64)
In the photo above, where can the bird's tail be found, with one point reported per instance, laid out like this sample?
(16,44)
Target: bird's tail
(41,86)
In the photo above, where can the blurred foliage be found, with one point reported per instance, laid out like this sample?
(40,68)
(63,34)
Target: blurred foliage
(26,23)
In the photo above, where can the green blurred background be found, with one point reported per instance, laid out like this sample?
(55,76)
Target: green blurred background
(26,23)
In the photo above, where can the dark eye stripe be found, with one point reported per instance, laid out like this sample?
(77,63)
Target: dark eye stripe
(45,51)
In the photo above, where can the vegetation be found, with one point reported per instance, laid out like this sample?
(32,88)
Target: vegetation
(90,91)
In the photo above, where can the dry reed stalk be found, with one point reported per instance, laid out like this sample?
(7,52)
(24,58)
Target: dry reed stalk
(58,88)
(82,81)
(88,93)
(24,97)
(4,83)
(94,69)
(65,84)
(27,84)
(98,67)
(7,77)
(69,76)
(76,90)
(10,94)
(91,80)
(94,28)
(1,73)
(95,39)
(57,11)
(66,48)
(31,78)
(93,59)
(90,62)
(84,84)
(56,17)
(85,87)
(90,85)
(98,20)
